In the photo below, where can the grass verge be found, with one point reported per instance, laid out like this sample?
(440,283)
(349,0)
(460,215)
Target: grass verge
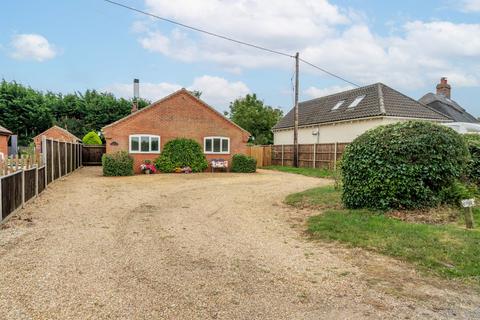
(309,172)
(447,250)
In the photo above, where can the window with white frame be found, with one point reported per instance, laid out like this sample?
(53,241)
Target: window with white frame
(219,145)
(144,143)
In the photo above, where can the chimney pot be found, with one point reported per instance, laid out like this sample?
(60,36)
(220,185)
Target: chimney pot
(136,91)
(443,88)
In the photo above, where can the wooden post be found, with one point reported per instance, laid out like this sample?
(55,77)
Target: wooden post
(295,115)
(59,160)
(53,166)
(335,158)
(314,154)
(23,188)
(36,181)
(282,154)
(469,218)
(1,206)
(66,157)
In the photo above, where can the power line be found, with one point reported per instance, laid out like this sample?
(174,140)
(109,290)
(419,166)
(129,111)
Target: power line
(329,73)
(229,39)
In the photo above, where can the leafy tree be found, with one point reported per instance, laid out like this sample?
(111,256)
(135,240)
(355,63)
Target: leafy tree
(196,93)
(28,112)
(92,138)
(253,115)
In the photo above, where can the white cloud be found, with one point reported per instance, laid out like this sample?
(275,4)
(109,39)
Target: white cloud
(336,38)
(470,5)
(315,92)
(216,91)
(32,47)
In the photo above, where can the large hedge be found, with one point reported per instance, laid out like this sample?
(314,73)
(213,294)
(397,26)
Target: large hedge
(402,166)
(91,138)
(117,164)
(473,143)
(243,163)
(179,153)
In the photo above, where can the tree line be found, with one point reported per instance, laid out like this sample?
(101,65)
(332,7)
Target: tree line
(28,112)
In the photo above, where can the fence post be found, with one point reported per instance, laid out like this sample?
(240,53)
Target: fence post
(23,188)
(282,154)
(314,155)
(53,166)
(36,181)
(335,158)
(66,157)
(1,205)
(59,160)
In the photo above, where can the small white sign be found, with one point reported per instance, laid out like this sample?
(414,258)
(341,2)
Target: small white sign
(467,203)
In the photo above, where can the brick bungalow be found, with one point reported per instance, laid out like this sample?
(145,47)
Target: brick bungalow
(56,133)
(4,135)
(143,133)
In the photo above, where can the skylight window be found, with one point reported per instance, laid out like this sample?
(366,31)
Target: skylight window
(356,101)
(338,105)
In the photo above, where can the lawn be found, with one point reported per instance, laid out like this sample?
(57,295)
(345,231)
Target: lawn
(447,250)
(309,172)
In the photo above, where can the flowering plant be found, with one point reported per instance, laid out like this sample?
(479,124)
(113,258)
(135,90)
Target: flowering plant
(148,167)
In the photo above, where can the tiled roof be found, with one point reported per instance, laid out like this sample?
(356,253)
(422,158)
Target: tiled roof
(380,100)
(4,131)
(448,107)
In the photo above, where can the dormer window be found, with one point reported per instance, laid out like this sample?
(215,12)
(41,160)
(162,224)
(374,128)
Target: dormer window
(338,105)
(356,101)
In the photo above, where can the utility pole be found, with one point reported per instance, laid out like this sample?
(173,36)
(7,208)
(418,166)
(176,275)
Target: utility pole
(295,119)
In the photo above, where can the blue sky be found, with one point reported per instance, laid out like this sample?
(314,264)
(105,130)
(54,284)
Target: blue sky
(65,46)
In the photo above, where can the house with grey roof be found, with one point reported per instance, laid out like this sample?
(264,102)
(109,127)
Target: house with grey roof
(441,101)
(343,116)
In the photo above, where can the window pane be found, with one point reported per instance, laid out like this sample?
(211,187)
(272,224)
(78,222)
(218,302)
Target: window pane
(134,143)
(154,144)
(216,145)
(144,144)
(208,145)
(224,145)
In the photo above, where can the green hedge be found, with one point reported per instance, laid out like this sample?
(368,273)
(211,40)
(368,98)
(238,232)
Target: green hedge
(92,138)
(403,166)
(243,163)
(117,164)
(179,153)
(473,143)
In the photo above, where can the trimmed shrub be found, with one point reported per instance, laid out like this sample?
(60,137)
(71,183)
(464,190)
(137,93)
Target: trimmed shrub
(402,166)
(179,153)
(243,163)
(91,138)
(117,164)
(473,143)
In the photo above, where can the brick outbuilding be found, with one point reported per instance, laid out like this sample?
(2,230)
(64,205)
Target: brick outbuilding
(55,133)
(179,115)
(4,135)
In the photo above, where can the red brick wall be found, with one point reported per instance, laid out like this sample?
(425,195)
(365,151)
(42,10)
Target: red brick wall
(52,133)
(180,115)
(4,145)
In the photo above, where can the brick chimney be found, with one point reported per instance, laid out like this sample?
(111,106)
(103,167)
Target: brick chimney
(443,88)
(136,89)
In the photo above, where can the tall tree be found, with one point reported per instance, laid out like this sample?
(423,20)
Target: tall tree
(254,116)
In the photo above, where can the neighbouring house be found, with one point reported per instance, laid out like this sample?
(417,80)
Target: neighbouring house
(463,122)
(4,135)
(343,116)
(143,133)
(55,133)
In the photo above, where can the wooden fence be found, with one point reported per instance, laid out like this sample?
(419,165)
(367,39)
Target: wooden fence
(92,155)
(319,155)
(24,178)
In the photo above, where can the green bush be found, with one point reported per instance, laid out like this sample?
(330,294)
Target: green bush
(402,166)
(117,164)
(243,163)
(457,192)
(473,143)
(91,138)
(179,153)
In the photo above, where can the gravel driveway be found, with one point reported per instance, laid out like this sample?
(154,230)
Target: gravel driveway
(201,246)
